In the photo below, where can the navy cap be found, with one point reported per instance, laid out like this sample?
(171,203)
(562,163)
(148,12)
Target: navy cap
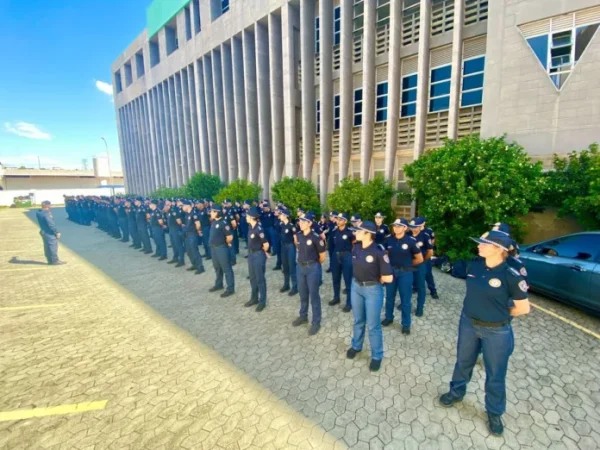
(308,217)
(343,216)
(227,200)
(139,199)
(333,213)
(46,203)
(266,205)
(253,212)
(400,223)
(355,218)
(367,226)
(247,202)
(416,222)
(284,211)
(186,202)
(218,211)
(379,216)
(502,228)
(496,238)
(154,202)
(300,210)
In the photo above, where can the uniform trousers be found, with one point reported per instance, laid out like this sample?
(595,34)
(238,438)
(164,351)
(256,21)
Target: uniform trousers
(50,247)
(191,247)
(288,254)
(177,244)
(342,266)
(158,234)
(124,225)
(257,264)
(308,287)
(402,284)
(222,264)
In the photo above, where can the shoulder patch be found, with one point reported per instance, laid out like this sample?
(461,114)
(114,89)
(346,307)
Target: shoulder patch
(523,286)
(386,258)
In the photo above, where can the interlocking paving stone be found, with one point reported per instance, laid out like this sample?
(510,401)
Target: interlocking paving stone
(183,368)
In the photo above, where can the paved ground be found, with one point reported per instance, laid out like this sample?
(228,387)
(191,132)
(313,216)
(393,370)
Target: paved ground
(179,367)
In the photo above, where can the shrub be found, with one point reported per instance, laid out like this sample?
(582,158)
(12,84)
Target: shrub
(203,185)
(574,186)
(239,190)
(352,196)
(165,192)
(467,185)
(297,193)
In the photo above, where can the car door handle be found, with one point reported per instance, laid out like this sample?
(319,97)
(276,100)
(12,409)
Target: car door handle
(577,268)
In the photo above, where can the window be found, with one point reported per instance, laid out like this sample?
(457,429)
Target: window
(154,52)
(197,16)
(409,96)
(336,112)
(118,82)
(224,6)
(472,81)
(172,42)
(383,13)
(188,23)
(584,247)
(359,17)
(318,124)
(411,12)
(128,74)
(401,186)
(583,36)
(139,64)
(317,35)
(337,25)
(358,104)
(439,91)
(382,102)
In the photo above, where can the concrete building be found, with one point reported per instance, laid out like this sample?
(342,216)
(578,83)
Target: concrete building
(333,88)
(32,179)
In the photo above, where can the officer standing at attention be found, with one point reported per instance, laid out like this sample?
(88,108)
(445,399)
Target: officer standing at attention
(331,225)
(174,220)
(383,232)
(429,272)
(277,238)
(231,219)
(426,246)
(157,225)
(113,219)
(343,238)
(267,220)
(371,268)
(220,241)
(495,294)
(50,234)
(122,219)
(142,225)
(404,255)
(130,209)
(192,229)
(204,216)
(288,253)
(258,246)
(243,222)
(311,253)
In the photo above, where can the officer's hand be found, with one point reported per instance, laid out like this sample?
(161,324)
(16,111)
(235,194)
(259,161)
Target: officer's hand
(57,235)
(200,234)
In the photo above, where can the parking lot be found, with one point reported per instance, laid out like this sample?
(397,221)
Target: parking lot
(118,350)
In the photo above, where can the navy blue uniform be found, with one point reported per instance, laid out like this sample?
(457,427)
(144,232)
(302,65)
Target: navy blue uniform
(49,234)
(191,240)
(276,250)
(383,232)
(257,261)
(158,232)
(429,265)
(177,243)
(424,244)
(204,216)
(288,255)
(142,226)
(123,223)
(221,256)
(342,262)
(133,229)
(401,253)
(309,248)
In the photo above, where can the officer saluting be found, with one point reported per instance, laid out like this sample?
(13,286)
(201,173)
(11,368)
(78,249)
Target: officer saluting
(311,253)
(50,234)
(495,293)
(371,267)
(258,246)
(221,238)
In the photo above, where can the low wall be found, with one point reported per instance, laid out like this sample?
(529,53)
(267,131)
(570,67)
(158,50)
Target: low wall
(55,196)
(547,225)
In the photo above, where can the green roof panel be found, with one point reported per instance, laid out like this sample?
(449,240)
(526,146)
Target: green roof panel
(160,12)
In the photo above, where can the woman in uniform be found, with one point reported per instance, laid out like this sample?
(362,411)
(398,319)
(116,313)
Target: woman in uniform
(371,268)
(513,252)
(495,293)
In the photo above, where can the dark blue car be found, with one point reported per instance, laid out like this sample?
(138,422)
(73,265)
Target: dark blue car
(566,268)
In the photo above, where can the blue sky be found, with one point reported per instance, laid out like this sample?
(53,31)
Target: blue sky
(55,58)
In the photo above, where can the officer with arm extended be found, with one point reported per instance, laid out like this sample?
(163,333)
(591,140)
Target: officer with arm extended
(50,234)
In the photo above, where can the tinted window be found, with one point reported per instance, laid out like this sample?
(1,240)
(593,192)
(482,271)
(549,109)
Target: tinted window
(539,45)
(473,82)
(409,82)
(409,110)
(439,104)
(472,98)
(584,247)
(474,65)
(409,96)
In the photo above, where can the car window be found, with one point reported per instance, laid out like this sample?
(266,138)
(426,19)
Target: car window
(584,247)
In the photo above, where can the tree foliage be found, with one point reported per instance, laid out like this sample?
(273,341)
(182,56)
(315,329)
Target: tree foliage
(574,186)
(239,190)
(203,185)
(295,193)
(467,185)
(353,197)
(165,192)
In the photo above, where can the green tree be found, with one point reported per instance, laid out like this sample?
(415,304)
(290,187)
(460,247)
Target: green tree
(203,185)
(239,190)
(165,192)
(574,186)
(297,193)
(353,197)
(467,185)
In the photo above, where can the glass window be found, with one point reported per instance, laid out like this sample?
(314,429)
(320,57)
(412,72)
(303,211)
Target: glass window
(382,88)
(318,124)
(337,25)
(473,82)
(381,115)
(583,36)
(336,112)
(539,45)
(439,91)
(359,20)
(224,6)
(474,65)
(317,35)
(584,247)
(358,107)
(409,110)
(381,102)
(439,104)
(472,98)
(409,96)
(383,13)
(441,73)
(409,82)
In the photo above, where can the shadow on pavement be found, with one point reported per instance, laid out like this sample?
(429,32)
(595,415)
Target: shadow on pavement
(16,260)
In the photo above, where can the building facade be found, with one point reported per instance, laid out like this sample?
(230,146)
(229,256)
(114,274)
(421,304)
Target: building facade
(261,89)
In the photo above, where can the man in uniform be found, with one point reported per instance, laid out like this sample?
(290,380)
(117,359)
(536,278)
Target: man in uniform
(288,253)
(157,225)
(426,246)
(192,229)
(50,234)
(429,263)
(220,240)
(230,219)
(258,246)
(267,220)
(174,221)
(204,217)
(383,232)
(122,219)
(131,211)
(331,225)
(342,238)
(113,220)
(141,220)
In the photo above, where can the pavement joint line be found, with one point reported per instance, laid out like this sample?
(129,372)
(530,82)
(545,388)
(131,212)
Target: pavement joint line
(18,308)
(567,321)
(60,410)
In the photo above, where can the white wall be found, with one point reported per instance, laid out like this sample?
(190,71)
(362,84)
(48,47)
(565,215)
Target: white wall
(55,196)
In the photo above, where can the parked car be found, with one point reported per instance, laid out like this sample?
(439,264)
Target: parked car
(566,268)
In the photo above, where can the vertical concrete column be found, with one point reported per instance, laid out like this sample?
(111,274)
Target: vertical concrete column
(289,20)
(177,80)
(276,87)
(455,80)
(368,118)
(202,119)
(157,138)
(166,127)
(237,62)
(135,132)
(307,50)
(194,119)
(210,114)
(229,103)
(149,142)
(175,131)
(142,133)
(150,123)
(122,150)
(163,134)
(346,88)
(264,106)
(422,79)
(251,104)
(220,115)
(394,88)
(189,165)
(326,93)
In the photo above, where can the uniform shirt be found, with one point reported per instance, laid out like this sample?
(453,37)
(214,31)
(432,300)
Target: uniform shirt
(287,233)
(46,222)
(190,222)
(309,247)
(316,228)
(256,238)
(111,210)
(155,216)
(204,217)
(173,214)
(324,228)
(490,292)
(383,232)
(121,213)
(219,231)
(140,214)
(401,251)
(131,212)
(518,265)
(267,219)
(370,264)
(424,242)
(342,240)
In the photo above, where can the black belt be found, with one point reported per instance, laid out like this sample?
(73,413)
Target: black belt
(403,268)
(342,253)
(366,283)
(254,251)
(307,263)
(481,323)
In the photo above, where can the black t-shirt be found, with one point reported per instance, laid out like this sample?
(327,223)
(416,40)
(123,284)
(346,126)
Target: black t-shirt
(371,263)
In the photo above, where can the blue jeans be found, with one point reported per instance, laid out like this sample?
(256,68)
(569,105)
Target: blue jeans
(288,253)
(402,284)
(429,277)
(308,287)
(367,302)
(158,234)
(419,280)
(123,224)
(50,247)
(191,247)
(177,243)
(257,264)
(341,266)
(496,344)
(222,265)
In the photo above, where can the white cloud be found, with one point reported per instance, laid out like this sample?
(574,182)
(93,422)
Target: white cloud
(27,130)
(104,87)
